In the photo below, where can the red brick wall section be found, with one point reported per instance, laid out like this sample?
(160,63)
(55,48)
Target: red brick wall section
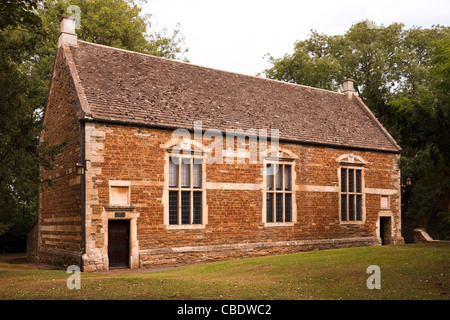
(59,228)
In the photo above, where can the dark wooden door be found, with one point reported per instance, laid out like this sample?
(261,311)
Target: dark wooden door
(385,230)
(118,243)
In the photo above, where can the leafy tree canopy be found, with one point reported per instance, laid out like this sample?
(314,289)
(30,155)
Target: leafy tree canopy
(14,14)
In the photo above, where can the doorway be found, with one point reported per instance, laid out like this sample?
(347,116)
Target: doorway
(119,243)
(385,230)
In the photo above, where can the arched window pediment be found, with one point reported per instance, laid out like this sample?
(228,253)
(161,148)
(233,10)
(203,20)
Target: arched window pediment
(280,153)
(184,146)
(351,159)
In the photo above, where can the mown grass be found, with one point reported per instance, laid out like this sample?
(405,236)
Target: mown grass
(412,271)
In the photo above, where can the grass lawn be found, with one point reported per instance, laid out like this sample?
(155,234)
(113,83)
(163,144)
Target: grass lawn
(411,271)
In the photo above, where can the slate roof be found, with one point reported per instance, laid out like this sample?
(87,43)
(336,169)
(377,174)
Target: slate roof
(124,86)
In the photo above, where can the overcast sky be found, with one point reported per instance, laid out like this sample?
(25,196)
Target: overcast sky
(234,35)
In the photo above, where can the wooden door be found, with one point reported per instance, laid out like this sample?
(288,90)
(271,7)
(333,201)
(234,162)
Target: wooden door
(119,243)
(385,230)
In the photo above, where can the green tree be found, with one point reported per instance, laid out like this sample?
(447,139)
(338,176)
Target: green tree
(403,76)
(20,155)
(21,14)
(426,114)
(314,63)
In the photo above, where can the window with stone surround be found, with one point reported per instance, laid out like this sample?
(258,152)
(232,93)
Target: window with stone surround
(185,191)
(351,194)
(278,193)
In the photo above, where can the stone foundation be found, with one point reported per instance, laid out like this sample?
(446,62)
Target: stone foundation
(189,255)
(55,257)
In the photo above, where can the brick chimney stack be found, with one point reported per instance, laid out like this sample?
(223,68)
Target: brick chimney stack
(67,35)
(347,85)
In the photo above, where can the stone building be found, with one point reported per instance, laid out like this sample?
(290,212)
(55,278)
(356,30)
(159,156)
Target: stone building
(167,162)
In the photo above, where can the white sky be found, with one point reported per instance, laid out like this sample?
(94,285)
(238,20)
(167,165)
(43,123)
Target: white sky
(234,35)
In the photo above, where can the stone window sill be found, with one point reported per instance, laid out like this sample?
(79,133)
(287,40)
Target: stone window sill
(279,224)
(184,226)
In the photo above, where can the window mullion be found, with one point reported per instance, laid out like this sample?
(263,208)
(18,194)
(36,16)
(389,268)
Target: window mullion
(275,180)
(347,198)
(274,176)
(191,207)
(348,194)
(191,193)
(274,207)
(179,206)
(283,212)
(179,191)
